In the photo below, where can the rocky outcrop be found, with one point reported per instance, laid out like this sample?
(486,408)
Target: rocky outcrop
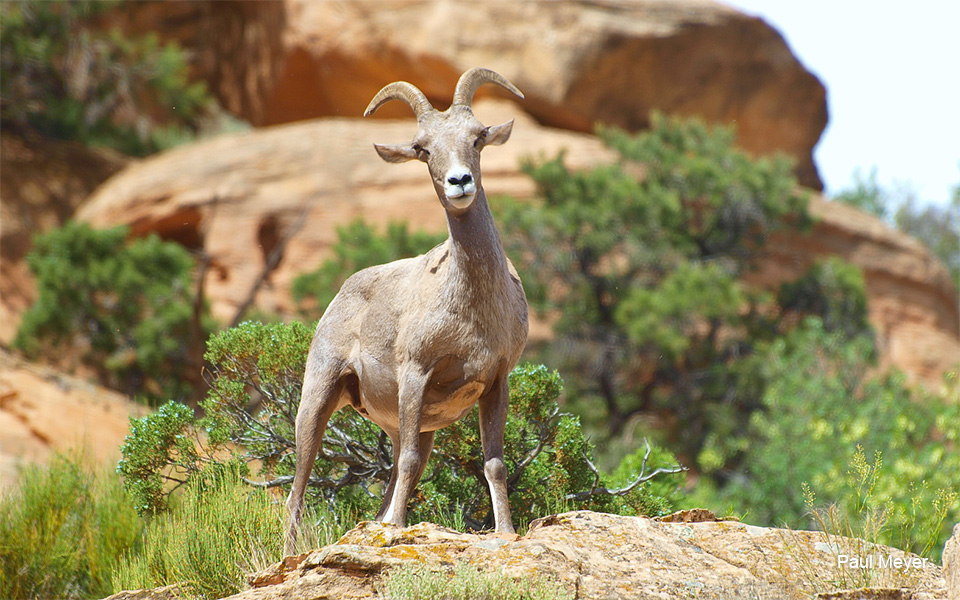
(167,592)
(594,555)
(42,411)
(42,182)
(577,62)
(951,564)
(237,195)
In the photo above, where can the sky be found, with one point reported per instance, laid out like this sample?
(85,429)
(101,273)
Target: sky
(892,73)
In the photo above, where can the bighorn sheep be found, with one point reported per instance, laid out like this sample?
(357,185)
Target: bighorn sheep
(414,344)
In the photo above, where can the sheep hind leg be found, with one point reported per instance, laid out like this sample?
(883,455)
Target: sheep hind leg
(319,399)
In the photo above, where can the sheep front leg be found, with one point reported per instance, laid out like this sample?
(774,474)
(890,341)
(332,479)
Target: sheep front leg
(410,459)
(493,419)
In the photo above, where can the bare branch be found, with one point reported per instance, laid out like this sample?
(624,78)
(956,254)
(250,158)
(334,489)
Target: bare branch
(273,482)
(642,477)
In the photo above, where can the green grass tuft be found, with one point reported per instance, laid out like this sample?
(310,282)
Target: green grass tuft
(417,582)
(62,529)
(217,532)
(862,524)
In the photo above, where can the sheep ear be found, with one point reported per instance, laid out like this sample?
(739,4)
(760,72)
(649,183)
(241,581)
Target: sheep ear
(499,134)
(396,153)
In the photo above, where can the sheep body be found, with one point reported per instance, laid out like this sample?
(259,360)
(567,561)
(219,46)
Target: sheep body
(414,344)
(404,311)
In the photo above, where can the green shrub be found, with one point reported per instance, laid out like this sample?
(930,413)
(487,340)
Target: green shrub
(124,308)
(271,359)
(639,266)
(62,529)
(642,266)
(217,531)
(546,453)
(836,292)
(549,460)
(156,444)
(819,407)
(65,78)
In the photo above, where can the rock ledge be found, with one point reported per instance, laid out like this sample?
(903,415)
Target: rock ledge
(598,555)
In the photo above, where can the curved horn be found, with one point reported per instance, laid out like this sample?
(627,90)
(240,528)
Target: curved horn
(473,79)
(400,90)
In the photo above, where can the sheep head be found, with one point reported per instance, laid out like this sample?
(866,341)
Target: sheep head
(450,141)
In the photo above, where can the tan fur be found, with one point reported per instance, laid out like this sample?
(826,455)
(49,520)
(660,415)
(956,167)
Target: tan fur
(415,343)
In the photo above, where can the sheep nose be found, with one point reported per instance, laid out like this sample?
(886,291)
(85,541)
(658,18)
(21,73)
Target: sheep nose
(462,181)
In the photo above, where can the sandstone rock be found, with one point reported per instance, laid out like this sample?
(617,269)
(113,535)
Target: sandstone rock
(167,592)
(577,62)
(237,194)
(592,555)
(42,410)
(869,594)
(951,564)
(691,515)
(912,303)
(42,183)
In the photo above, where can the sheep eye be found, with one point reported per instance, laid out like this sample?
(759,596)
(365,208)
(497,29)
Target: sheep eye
(481,136)
(420,150)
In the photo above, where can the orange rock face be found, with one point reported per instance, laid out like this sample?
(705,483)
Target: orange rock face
(912,302)
(238,192)
(579,63)
(42,411)
(276,62)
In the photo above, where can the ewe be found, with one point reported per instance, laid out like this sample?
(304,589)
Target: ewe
(414,344)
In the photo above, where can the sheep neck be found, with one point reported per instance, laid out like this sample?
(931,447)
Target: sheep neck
(476,249)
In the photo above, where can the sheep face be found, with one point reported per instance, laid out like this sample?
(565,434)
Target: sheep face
(450,143)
